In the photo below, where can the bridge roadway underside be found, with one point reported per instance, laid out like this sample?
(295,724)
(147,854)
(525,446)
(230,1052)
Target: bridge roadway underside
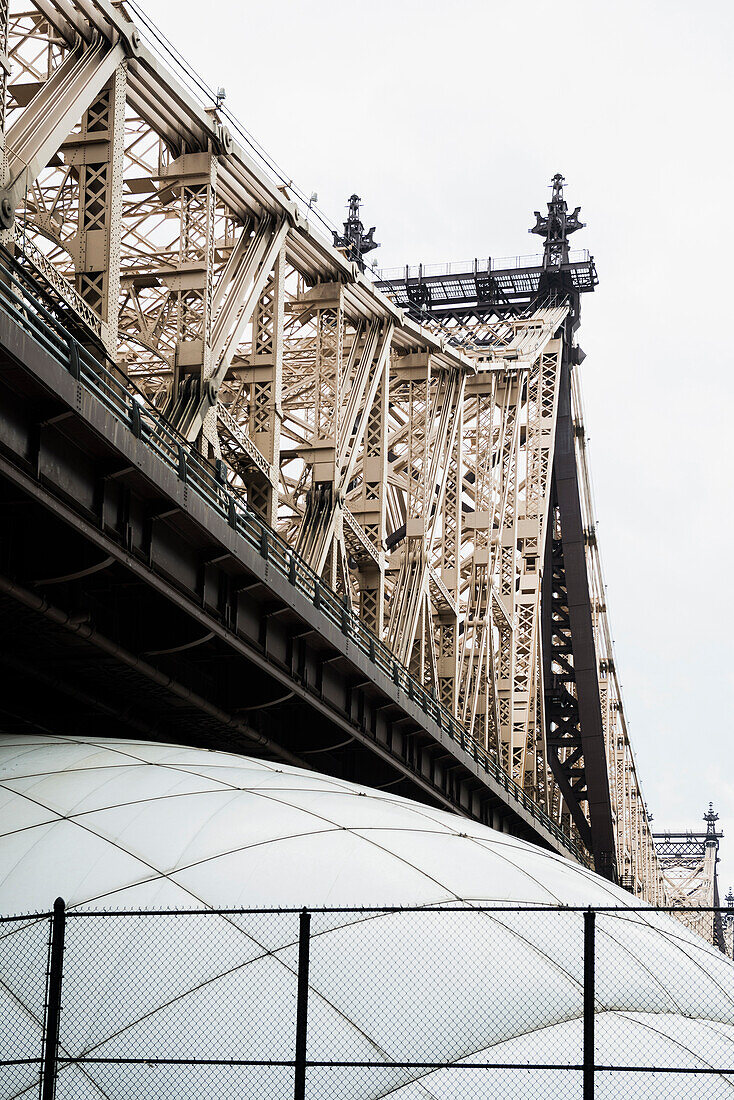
(131,608)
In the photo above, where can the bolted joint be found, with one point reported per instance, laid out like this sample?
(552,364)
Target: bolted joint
(223,140)
(130,38)
(208,400)
(294,215)
(7,211)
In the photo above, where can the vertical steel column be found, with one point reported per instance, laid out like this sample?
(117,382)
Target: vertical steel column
(53,1002)
(324,555)
(410,392)
(527,752)
(192,179)
(589,1057)
(507,551)
(265,376)
(369,508)
(583,734)
(447,620)
(96,154)
(4,74)
(6,214)
(304,934)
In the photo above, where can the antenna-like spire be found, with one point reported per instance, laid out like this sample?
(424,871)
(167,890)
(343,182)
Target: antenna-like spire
(556,226)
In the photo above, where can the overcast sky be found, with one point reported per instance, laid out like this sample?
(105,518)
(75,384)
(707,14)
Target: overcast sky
(449,120)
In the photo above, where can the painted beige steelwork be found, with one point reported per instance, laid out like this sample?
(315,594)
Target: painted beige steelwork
(413,476)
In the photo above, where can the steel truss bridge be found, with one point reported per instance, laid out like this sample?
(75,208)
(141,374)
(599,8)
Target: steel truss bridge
(253,499)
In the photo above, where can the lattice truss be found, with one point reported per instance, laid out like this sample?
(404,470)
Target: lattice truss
(411,468)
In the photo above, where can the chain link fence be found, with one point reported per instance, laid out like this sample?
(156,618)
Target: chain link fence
(441,1003)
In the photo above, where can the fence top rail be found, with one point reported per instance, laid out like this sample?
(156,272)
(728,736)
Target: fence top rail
(87,1060)
(335,909)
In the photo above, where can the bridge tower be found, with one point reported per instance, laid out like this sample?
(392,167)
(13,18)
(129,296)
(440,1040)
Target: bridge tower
(689,861)
(554,657)
(574,729)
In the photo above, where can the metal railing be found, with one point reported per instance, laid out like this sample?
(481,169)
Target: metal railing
(473,266)
(23,301)
(471,1001)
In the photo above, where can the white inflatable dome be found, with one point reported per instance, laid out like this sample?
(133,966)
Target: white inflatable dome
(122,825)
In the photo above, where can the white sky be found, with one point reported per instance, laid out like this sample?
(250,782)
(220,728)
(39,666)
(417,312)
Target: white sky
(449,120)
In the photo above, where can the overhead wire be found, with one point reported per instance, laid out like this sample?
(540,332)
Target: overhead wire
(199,85)
(170,52)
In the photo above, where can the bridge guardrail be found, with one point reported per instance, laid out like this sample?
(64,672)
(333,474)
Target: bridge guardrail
(23,301)
(469,267)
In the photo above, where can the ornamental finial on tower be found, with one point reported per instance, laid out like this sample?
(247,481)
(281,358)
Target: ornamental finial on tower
(556,227)
(355,240)
(711,818)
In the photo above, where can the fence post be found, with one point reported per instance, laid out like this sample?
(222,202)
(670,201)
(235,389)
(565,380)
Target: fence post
(53,1001)
(589,1053)
(74,365)
(136,422)
(304,933)
(182,467)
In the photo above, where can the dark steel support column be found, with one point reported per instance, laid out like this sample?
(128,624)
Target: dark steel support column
(53,1002)
(596,791)
(589,1053)
(304,934)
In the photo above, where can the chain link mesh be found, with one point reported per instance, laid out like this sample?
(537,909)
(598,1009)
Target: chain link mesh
(430,1003)
(24,948)
(396,987)
(208,992)
(456,1082)
(664,1009)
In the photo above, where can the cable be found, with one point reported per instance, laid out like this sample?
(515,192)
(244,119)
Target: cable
(168,51)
